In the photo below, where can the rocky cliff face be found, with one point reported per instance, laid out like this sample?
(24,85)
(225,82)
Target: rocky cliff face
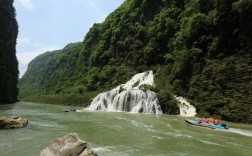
(8,61)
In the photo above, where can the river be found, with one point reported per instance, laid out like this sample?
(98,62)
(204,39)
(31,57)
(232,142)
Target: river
(124,134)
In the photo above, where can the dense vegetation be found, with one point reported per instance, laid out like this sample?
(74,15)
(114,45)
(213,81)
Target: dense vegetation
(199,49)
(8,61)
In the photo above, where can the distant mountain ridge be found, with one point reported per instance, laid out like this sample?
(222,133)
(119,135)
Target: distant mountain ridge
(198,49)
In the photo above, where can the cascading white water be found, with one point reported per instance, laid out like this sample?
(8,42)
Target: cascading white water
(136,101)
(131,98)
(186,109)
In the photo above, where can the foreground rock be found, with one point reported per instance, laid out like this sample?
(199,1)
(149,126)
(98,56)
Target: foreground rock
(8,122)
(69,145)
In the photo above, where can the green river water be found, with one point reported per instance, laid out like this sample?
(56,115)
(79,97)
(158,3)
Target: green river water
(120,134)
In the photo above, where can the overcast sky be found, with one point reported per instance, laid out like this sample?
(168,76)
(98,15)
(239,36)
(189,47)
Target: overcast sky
(46,25)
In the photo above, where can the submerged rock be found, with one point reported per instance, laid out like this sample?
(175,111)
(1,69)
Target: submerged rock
(9,122)
(68,145)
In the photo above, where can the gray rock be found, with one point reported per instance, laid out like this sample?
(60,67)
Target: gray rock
(88,152)
(7,122)
(68,145)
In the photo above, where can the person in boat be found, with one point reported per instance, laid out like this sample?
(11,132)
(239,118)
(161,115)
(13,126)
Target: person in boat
(204,120)
(201,120)
(216,121)
(208,120)
(70,109)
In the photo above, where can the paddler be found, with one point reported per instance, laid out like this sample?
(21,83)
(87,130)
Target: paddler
(216,121)
(208,120)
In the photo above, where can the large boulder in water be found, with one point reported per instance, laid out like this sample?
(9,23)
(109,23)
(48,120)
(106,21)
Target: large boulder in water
(68,145)
(8,122)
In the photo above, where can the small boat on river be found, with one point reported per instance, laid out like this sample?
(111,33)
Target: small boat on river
(71,110)
(207,125)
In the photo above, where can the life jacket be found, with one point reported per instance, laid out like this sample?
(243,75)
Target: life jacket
(204,120)
(200,121)
(208,120)
(216,121)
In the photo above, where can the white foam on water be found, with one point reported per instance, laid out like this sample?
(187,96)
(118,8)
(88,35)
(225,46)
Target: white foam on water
(211,143)
(240,131)
(158,137)
(137,124)
(166,124)
(152,130)
(134,122)
(170,119)
(232,143)
(114,150)
(5,145)
(49,124)
(104,149)
(176,134)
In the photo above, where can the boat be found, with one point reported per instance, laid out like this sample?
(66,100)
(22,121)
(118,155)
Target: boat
(207,125)
(70,110)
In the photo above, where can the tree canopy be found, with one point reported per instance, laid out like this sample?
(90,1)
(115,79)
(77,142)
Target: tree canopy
(199,49)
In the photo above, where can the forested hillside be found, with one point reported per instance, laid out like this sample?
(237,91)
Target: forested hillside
(199,49)
(8,61)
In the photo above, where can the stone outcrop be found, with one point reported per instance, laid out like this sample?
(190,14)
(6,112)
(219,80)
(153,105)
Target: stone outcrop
(9,122)
(68,145)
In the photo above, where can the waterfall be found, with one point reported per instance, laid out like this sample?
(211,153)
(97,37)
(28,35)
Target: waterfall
(186,109)
(129,97)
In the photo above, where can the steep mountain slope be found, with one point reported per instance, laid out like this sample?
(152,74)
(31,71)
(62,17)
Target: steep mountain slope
(200,49)
(8,61)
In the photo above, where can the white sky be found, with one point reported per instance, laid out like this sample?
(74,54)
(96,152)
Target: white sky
(46,25)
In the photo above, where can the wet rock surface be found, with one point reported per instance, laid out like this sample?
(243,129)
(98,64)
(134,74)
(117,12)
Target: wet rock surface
(68,145)
(10,122)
